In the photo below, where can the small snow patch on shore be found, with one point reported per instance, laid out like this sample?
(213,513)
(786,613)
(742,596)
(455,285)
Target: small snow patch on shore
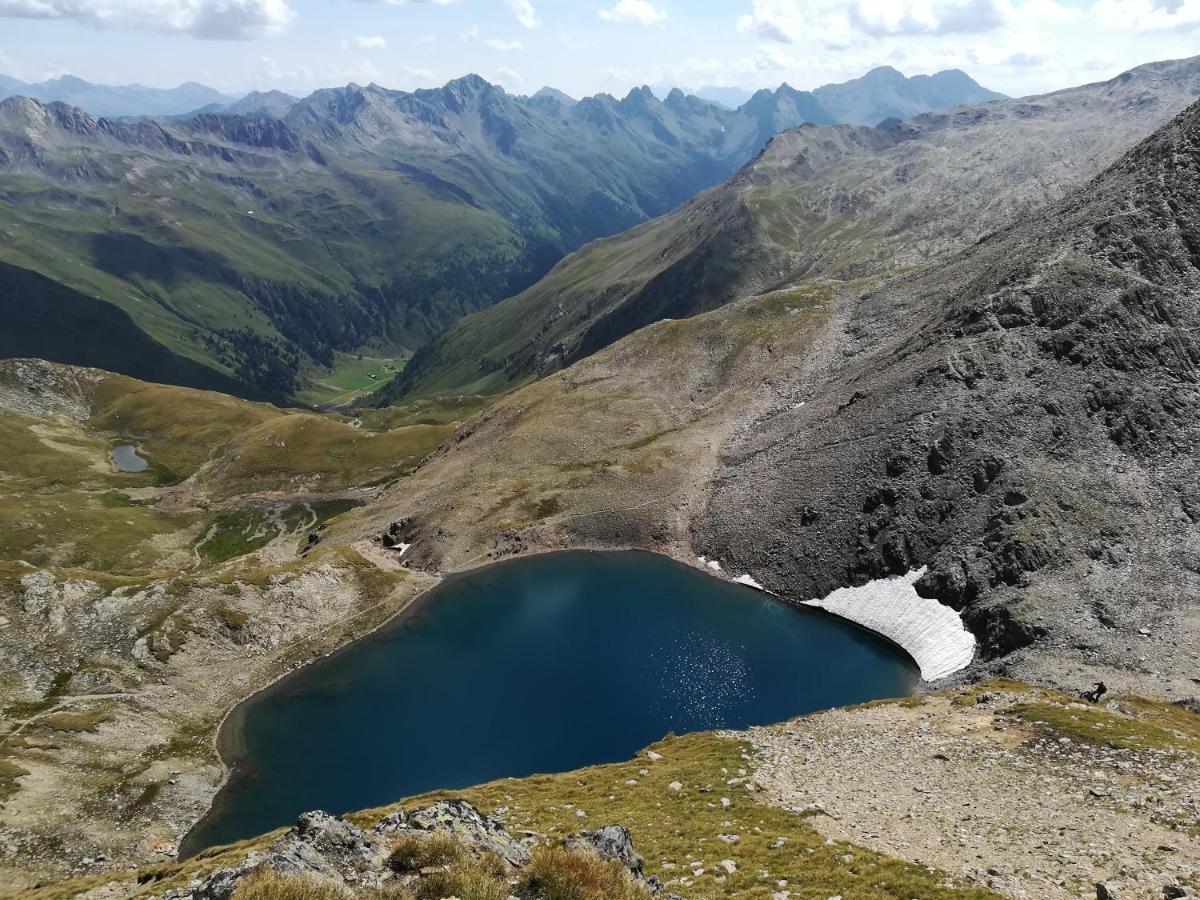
(749,582)
(931,633)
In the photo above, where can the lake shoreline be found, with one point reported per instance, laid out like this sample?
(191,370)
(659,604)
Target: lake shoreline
(229,737)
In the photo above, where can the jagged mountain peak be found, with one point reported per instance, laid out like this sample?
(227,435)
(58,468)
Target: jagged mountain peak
(884,73)
(555,95)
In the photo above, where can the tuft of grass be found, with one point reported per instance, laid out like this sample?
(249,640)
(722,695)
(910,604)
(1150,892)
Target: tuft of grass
(23,710)
(231,618)
(148,795)
(914,702)
(237,533)
(558,874)
(1127,723)
(75,722)
(267,885)
(117,500)
(412,853)
(464,882)
(970,696)
(9,773)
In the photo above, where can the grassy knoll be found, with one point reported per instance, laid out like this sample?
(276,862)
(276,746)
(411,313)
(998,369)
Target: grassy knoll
(672,829)
(63,504)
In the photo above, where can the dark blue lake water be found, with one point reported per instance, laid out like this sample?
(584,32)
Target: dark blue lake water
(537,665)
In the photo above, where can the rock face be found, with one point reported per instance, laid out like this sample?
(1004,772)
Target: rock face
(611,842)
(1021,419)
(320,846)
(329,850)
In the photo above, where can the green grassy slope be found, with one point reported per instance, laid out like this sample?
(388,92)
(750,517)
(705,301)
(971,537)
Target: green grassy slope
(44,319)
(365,221)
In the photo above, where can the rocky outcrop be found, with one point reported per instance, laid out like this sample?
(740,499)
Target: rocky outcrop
(330,850)
(461,821)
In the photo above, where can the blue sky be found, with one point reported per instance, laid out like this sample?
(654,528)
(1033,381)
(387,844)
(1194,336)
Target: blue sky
(1016,46)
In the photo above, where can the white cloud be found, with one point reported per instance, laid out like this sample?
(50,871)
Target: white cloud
(498,44)
(524,12)
(632,12)
(509,79)
(473,34)
(1148,15)
(835,23)
(365,42)
(911,17)
(212,19)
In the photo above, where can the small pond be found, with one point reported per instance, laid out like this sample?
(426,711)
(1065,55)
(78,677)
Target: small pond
(125,457)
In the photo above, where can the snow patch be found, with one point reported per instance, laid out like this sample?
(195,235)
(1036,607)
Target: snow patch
(931,633)
(749,582)
(401,549)
(710,563)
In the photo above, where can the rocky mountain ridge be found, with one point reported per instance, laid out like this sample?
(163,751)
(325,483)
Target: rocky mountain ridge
(840,202)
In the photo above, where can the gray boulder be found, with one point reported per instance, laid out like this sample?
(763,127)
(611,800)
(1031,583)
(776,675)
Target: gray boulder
(320,847)
(458,818)
(610,842)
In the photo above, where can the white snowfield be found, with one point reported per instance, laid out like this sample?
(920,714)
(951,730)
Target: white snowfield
(931,633)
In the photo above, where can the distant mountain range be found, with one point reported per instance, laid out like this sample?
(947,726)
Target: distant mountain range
(115,101)
(256,104)
(880,94)
(839,203)
(260,237)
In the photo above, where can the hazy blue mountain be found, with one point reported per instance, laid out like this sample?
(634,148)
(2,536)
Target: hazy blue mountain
(263,247)
(731,97)
(884,93)
(116,100)
(553,95)
(256,104)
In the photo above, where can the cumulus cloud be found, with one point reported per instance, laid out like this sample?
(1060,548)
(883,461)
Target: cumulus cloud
(498,44)
(211,19)
(632,12)
(1148,15)
(524,12)
(365,42)
(835,23)
(509,79)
